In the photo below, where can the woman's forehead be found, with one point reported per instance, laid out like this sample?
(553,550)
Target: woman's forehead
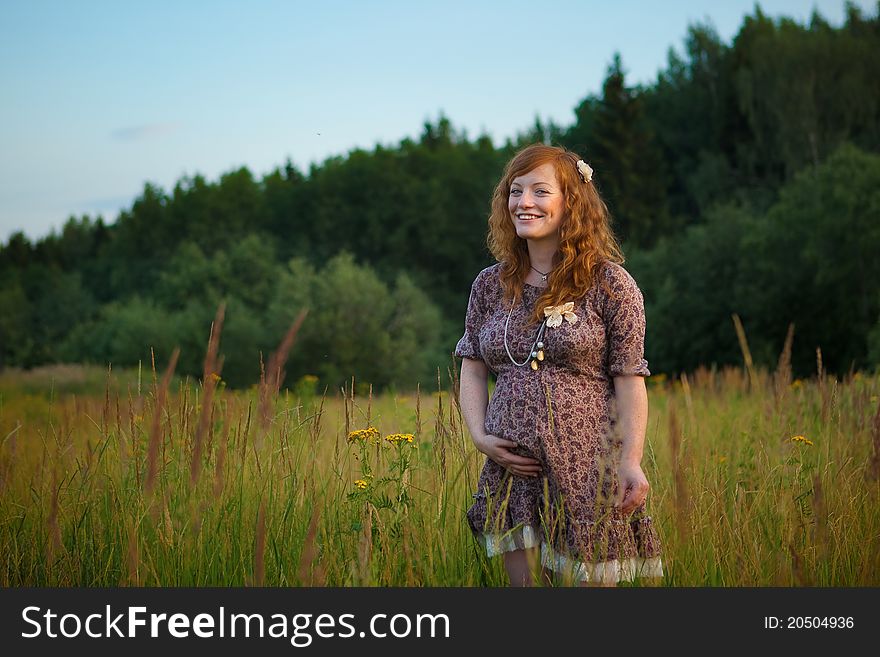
(545,173)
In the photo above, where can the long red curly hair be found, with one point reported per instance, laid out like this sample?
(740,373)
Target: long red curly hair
(586,240)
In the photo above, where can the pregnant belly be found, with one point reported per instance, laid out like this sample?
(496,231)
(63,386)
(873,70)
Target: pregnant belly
(515,415)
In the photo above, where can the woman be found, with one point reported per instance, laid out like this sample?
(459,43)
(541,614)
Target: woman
(562,325)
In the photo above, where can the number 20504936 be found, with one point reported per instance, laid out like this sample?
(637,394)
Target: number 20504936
(808,622)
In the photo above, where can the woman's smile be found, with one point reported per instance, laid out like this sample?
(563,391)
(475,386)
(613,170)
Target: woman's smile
(536,204)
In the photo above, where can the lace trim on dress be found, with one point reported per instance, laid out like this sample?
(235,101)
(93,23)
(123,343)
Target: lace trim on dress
(616,570)
(518,538)
(606,572)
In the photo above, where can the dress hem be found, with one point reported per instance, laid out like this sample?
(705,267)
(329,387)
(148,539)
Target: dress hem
(607,572)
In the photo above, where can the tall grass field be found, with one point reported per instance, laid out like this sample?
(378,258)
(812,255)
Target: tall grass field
(137,478)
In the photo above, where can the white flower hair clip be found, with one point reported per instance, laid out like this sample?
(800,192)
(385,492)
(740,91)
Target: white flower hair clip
(554,314)
(585,170)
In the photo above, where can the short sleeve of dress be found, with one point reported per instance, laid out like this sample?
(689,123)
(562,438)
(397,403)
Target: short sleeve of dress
(469,344)
(624,315)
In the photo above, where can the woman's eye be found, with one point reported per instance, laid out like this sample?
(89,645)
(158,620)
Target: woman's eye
(514,191)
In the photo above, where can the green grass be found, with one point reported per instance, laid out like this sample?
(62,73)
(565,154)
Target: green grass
(273,499)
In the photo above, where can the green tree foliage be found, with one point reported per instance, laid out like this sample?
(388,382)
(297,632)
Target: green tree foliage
(691,110)
(689,300)
(743,181)
(815,261)
(630,172)
(123,333)
(803,89)
(357,325)
(16,342)
(809,260)
(874,344)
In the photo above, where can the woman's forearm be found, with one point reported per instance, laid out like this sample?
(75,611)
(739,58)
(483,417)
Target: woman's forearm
(632,416)
(474,397)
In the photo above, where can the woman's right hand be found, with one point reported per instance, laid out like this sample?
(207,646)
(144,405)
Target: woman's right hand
(499,450)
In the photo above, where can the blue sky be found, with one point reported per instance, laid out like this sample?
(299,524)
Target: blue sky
(100,97)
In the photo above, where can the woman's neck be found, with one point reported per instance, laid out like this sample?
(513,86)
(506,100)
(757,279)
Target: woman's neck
(541,254)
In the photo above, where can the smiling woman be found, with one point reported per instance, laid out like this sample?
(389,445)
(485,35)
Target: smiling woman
(537,205)
(562,325)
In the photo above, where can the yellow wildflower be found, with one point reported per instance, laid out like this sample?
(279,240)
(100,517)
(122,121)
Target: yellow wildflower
(722,459)
(398,438)
(801,439)
(797,383)
(368,435)
(361,484)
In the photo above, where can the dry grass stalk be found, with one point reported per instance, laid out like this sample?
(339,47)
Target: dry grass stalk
(106,410)
(406,537)
(688,400)
(310,572)
(820,517)
(209,442)
(118,414)
(55,544)
(678,474)
(133,558)
(704,379)
(9,461)
(456,383)
(365,548)
(440,429)
(797,567)
(456,419)
(166,528)
(243,435)
(183,412)
(210,376)
(874,463)
(153,370)
(820,377)
(155,427)
(259,578)
(348,400)
(782,378)
(418,411)
(220,463)
(336,433)
(747,354)
(315,424)
(273,377)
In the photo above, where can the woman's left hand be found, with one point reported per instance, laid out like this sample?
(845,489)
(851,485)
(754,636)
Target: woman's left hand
(632,487)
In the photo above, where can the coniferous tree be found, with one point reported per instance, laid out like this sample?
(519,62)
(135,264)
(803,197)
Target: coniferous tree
(630,171)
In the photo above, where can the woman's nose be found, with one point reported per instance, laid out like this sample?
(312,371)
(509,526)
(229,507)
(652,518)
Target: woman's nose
(526,199)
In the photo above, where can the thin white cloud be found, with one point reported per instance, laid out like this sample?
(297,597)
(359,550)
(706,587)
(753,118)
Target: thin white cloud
(146,131)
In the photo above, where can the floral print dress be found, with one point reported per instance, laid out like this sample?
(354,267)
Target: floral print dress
(561,414)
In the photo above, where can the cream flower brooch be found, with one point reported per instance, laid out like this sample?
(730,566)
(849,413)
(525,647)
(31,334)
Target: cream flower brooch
(585,170)
(554,314)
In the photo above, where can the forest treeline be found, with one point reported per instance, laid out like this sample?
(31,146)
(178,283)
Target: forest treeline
(745,180)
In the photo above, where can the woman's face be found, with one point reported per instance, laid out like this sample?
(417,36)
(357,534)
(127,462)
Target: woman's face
(536,204)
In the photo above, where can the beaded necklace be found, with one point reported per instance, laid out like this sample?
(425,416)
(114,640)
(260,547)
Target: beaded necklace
(536,352)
